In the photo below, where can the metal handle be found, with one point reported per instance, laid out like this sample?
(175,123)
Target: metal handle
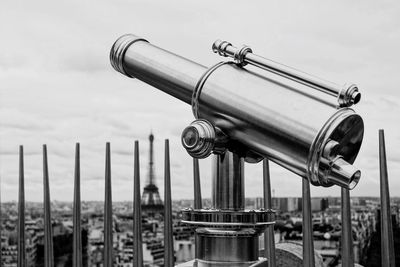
(347,95)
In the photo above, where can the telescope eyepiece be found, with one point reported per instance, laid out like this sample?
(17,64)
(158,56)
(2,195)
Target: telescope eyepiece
(343,174)
(199,138)
(349,95)
(190,137)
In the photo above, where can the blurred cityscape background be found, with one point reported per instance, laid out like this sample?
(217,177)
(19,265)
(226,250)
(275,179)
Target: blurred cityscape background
(326,219)
(288,228)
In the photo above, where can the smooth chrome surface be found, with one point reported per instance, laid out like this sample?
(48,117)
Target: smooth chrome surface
(223,231)
(164,70)
(196,184)
(211,217)
(199,138)
(278,122)
(347,233)
(228,182)
(343,174)
(221,245)
(263,115)
(137,212)
(169,259)
(48,229)
(117,52)
(108,222)
(21,260)
(346,95)
(308,237)
(387,245)
(77,231)
(269,237)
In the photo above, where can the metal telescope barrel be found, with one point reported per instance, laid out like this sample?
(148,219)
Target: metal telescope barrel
(262,115)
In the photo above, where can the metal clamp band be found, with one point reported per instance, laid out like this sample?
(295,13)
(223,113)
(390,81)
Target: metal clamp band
(239,55)
(118,51)
(199,86)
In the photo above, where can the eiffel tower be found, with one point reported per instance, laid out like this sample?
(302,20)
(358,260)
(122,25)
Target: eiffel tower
(151,201)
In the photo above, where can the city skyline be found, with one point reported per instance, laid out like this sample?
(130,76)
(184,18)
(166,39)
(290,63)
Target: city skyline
(58,88)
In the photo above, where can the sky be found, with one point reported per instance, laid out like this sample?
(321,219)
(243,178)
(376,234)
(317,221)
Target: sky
(57,86)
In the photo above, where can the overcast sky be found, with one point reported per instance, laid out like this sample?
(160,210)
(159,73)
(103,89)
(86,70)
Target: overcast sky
(57,86)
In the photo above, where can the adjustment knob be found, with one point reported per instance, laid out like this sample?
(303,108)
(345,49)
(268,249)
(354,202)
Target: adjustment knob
(199,138)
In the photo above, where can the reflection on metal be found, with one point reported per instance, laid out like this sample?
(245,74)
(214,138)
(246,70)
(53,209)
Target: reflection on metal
(387,245)
(250,112)
(308,241)
(347,235)
(269,238)
(48,229)
(77,238)
(346,95)
(108,223)
(226,234)
(168,233)
(196,184)
(201,138)
(253,111)
(21,262)
(228,182)
(137,211)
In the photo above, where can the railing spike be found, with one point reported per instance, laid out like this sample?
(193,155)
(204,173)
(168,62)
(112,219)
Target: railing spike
(108,235)
(168,234)
(1,223)
(21,262)
(77,239)
(48,229)
(269,238)
(196,184)
(308,243)
(347,235)
(137,212)
(387,245)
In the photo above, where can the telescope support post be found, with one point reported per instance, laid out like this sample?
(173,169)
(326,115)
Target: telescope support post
(226,233)
(228,182)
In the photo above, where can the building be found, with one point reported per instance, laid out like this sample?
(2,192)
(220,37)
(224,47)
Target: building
(151,201)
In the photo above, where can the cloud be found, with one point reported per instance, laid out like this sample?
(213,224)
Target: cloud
(58,88)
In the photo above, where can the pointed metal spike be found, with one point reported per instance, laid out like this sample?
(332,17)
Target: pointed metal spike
(108,223)
(137,212)
(48,229)
(269,238)
(347,235)
(308,239)
(21,262)
(168,234)
(387,245)
(152,179)
(196,184)
(1,223)
(77,238)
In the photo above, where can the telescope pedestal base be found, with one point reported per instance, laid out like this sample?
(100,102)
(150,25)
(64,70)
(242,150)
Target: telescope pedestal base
(197,263)
(227,238)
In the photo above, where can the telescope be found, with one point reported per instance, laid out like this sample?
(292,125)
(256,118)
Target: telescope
(271,114)
(249,108)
